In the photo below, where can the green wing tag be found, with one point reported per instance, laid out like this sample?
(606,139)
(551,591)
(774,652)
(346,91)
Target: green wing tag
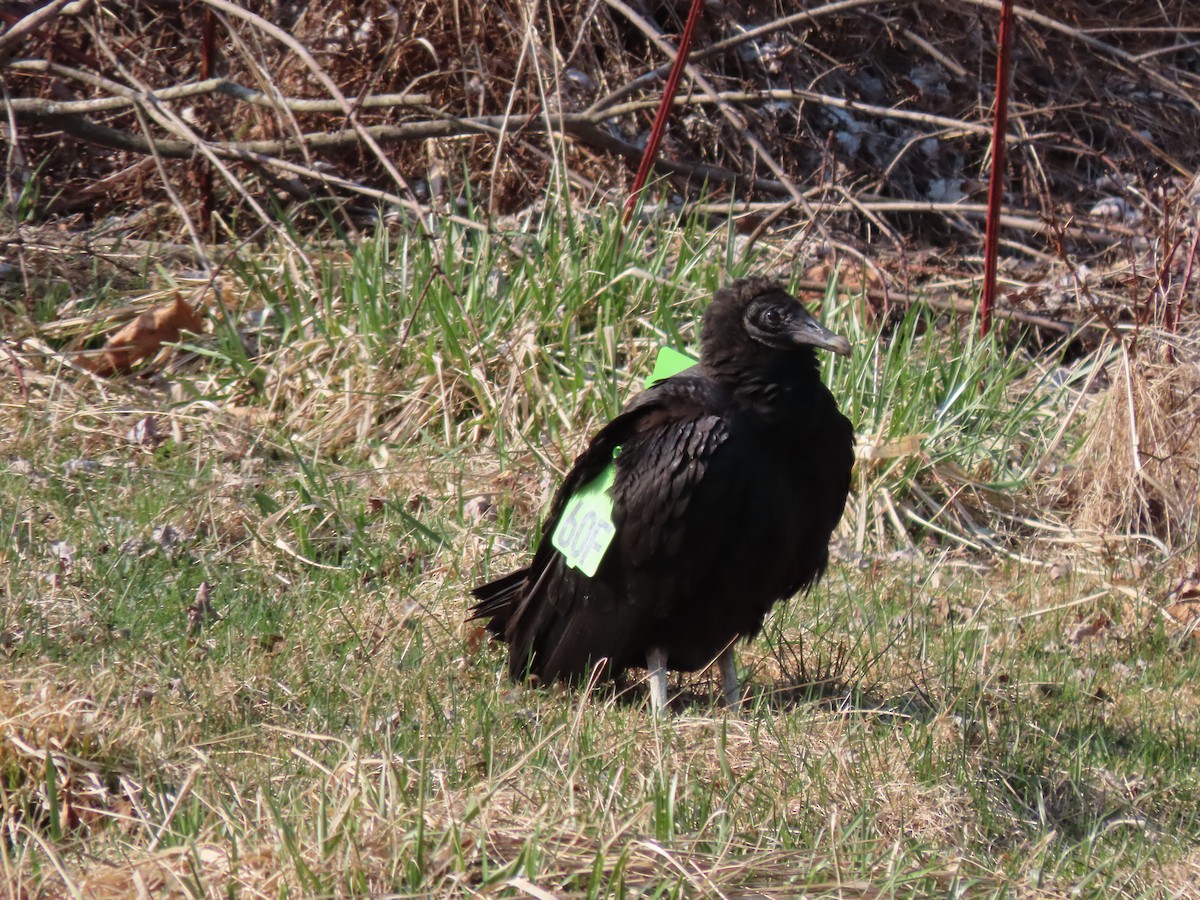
(585,528)
(669,362)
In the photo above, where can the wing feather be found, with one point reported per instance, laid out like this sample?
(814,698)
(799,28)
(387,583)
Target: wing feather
(558,621)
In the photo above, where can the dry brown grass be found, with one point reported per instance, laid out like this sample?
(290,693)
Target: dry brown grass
(1139,469)
(512,811)
(98,760)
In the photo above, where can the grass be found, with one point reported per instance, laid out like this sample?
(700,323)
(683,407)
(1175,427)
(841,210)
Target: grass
(370,430)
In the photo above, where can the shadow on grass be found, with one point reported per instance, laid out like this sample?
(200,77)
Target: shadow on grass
(700,695)
(1094,779)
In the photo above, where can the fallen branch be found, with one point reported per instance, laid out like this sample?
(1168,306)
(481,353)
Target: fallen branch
(802,96)
(124,97)
(727,111)
(1033,17)
(348,109)
(36,106)
(576,125)
(1126,60)
(1098,230)
(68,117)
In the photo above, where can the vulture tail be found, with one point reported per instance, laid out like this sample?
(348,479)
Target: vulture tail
(499,599)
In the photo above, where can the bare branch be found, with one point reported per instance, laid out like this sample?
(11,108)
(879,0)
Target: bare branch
(301,51)
(577,126)
(1124,60)
(193,89)
(35,20)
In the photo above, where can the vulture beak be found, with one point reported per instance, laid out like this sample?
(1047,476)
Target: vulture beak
(808,330)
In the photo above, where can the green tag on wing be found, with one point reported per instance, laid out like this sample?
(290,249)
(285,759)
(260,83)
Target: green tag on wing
(669,362)
(585,528)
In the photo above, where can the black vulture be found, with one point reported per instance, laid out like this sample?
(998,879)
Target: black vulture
(726,482)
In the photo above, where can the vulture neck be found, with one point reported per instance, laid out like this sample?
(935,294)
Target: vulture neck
(772,389)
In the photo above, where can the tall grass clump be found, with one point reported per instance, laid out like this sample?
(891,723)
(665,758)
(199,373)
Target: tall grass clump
(471,334)
(524,339)
(953,428)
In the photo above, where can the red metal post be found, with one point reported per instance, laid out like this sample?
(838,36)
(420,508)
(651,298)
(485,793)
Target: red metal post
(664,108)
(991,242)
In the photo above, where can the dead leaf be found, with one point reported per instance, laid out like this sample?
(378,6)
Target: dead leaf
(1090,628)
(143,337)
(480,509)
(852,276)
(79,465)
(1184,613)
(945,612)
(65,555)
(474,636)
(251,415)
(908,445)
(166,536)
(941,610)
(145,695)
(202,609)
(271,642)
(145,433)
(1187,588)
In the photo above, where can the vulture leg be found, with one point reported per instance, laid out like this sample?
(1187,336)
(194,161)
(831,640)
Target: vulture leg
(656,666)
(729,677)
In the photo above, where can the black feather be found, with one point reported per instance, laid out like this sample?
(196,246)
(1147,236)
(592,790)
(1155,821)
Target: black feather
(730,480)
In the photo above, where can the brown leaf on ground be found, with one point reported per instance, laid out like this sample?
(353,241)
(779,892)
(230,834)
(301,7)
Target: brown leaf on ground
(1181,605)
(143,337)
(145,433)
(474,636)
(480,509)
(1089,628)
(202,610)
(853,277)
(1184,613)
(1187,589)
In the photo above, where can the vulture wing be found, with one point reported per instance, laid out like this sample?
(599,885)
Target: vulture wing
(674,486)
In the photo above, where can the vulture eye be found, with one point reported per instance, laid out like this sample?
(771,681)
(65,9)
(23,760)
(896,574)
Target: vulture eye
(766,321)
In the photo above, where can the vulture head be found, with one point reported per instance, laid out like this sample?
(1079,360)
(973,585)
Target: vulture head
(754,325)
